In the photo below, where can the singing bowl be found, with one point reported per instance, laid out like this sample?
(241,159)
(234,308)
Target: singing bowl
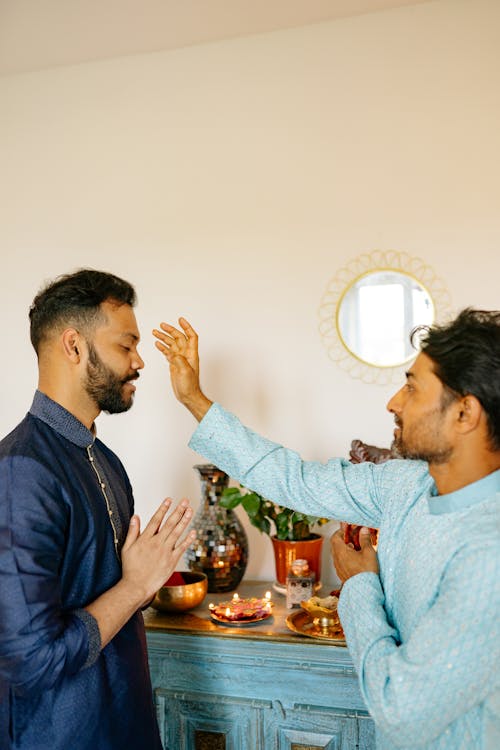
(181,598)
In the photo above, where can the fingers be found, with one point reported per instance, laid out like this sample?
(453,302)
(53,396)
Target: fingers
(177,552)
(169,334)
(165,341)
(188,540)
(133,532)
(336,539)
(176,524)
(166,350)
(188,329)
(157,518)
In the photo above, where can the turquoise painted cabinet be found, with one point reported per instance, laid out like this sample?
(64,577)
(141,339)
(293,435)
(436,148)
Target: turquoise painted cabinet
(258,687)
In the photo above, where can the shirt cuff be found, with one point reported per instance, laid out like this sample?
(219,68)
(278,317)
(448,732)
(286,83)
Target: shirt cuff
(207,427)
(94,636)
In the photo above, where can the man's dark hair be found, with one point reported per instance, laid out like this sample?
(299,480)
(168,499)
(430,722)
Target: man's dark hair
(75,299)
(466,357)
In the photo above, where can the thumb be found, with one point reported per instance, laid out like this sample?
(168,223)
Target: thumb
(365,540)
(134,530)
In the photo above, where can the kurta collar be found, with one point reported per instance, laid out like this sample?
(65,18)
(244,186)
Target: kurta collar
(61,420)
(467,496)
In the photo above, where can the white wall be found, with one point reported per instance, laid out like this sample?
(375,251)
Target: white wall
(230,182)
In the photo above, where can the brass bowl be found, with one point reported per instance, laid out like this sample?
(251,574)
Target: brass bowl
(181,598)
(321,615)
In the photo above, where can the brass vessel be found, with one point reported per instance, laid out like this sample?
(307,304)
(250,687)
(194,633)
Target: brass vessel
(183,597)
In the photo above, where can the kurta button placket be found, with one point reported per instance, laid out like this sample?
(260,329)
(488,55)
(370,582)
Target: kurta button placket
(106,499)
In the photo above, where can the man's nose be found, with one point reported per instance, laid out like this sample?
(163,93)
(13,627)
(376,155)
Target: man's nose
(394,402)
(138,362)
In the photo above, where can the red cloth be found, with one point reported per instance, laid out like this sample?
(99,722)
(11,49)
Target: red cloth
(176,579)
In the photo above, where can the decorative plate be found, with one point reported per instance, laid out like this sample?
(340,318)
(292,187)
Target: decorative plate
(239,623)
(240,611)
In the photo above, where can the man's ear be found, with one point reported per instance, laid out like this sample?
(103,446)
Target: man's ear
(72,344)
(469,412)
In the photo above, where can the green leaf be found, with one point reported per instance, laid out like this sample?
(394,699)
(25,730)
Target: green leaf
(230,491)
(230,502)
(263,513)
(282,526)
(262,523)
(252,503)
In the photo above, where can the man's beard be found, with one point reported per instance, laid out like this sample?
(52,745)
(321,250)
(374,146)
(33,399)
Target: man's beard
(105,387)
(426,441)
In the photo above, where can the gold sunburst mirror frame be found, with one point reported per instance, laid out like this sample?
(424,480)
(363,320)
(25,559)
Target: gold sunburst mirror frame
(370,307)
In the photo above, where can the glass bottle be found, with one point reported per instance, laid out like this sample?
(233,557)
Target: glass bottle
(299,583)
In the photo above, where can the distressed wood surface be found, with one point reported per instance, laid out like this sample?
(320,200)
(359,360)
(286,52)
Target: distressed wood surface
(254,687)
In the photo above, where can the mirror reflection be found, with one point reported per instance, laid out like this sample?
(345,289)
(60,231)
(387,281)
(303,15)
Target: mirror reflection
(376,314)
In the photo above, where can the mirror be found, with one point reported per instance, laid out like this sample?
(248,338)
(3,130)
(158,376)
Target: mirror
(377,313)
(370,307)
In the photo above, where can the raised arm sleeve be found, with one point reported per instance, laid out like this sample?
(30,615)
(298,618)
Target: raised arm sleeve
(335,489)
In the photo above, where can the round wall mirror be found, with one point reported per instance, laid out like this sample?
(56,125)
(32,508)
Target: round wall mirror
(370,308)
(377,313)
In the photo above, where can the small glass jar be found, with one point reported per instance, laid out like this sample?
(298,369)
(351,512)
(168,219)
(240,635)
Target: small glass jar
(299,583)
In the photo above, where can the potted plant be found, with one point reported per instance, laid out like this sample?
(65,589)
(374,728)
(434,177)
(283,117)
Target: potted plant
(290,531)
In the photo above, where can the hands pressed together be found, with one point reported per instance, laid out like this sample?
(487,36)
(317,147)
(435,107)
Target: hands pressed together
(148,559)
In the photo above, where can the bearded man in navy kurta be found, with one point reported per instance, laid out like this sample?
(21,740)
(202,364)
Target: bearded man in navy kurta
(73,576)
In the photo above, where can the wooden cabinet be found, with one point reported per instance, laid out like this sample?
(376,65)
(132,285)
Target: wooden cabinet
(257,687)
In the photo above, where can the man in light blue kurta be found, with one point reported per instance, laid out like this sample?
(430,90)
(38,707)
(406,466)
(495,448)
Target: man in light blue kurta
(421,616)
(425,635)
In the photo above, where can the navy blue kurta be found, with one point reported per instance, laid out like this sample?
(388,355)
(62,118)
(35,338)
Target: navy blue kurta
(58,689)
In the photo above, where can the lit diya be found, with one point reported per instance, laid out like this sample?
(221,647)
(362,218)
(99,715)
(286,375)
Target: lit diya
(242,610)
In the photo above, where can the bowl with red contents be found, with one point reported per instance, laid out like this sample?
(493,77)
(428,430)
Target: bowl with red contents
(183,591)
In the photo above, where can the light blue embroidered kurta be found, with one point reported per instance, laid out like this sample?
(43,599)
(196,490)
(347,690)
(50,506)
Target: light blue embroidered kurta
(425,636)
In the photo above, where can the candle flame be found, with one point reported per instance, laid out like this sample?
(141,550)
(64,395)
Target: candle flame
(268,595)
(235,597)
(228,611)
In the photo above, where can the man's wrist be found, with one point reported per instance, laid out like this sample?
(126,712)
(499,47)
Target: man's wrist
(198,405)
(130,594)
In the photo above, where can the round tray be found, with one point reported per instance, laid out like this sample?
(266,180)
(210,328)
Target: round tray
(300,622)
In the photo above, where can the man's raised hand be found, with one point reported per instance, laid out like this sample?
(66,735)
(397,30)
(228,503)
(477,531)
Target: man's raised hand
(180,348)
